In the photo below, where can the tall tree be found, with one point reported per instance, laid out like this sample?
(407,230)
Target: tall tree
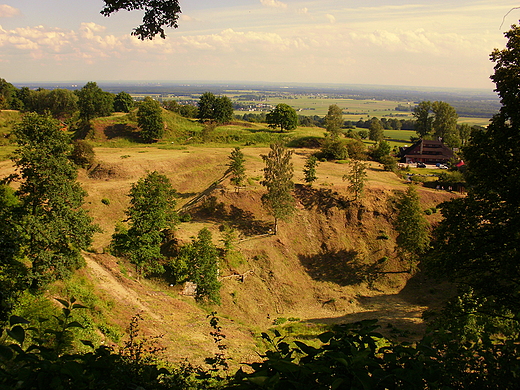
(334,120)
(123,102)
(376,131)
(477,244)
(357,176)
(54,227)
(63,103)
(423,118)
(207,106)
(413,235)
(150,120)
(445,123)
(215,108)
(236,167)
(309,170)
(151,211)
(278,174)
(94,102)
(223,111)
(283,116)
(201,257)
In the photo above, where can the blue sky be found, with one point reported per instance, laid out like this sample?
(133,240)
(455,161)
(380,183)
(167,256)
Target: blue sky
(434,43)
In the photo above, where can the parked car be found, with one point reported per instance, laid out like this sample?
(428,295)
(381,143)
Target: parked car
(421,165)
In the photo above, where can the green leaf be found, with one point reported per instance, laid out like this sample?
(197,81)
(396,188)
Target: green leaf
(17,333)
(87,343)
(337,383)
(6,353)
(79,306)
(13,320)
(258,380)
(74,324)
(325,337)
(63,302)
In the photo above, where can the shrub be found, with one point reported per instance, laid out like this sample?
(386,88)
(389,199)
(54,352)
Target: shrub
(105,201)
(82,153)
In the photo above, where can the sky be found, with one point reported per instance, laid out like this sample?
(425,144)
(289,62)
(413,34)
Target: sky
(430,43)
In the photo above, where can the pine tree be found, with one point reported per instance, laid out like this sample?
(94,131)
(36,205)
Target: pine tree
(357,177)
(236,167)
(278,173)
(310,170)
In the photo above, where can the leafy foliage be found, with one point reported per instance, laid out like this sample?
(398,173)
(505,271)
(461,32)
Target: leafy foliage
(149,119)
(201,260)
(152,202)
(123,102)
(283,116)
(334,120)
(357,177)
(236,167)
(310,170)
(477,242)
(54,229)
(157,14)
(413,235)
(215,108)
(94,102)
(278,173)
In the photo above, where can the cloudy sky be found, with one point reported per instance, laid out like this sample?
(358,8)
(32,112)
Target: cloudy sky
(437,43)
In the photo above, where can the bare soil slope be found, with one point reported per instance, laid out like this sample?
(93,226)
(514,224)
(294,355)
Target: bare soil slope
(334,261)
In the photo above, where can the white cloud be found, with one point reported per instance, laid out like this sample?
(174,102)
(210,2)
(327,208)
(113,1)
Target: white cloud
(330,18)
(273,4)
(6,11)
(303,11)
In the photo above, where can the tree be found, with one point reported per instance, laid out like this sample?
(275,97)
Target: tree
(381,151)
(477,244)
(376,131)
(157,14)
(357,177)
(310,170)
(8,96)
(464,130)
(445,123)
(223,111)
(423,118)
(123,102)
(54,228)
(283,116)
(236,167)
(215,108)
(62,103)
(333,148)
(201,257)
(151,211)
(207,106)
(334,120)
(94,102)
(82,153)
(413,235)
(278,173)
(149,120)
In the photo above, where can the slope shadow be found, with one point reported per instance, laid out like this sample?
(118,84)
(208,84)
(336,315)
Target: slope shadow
(322,199)
(236,218)
(122,130)
(342,267)
(399,314)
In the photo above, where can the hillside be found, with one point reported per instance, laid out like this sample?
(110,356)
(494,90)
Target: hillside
(333,262)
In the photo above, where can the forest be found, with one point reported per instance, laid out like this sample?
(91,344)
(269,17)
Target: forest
(219,206)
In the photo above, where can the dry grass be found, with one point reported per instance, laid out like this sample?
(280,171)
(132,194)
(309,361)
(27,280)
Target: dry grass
(314,269)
